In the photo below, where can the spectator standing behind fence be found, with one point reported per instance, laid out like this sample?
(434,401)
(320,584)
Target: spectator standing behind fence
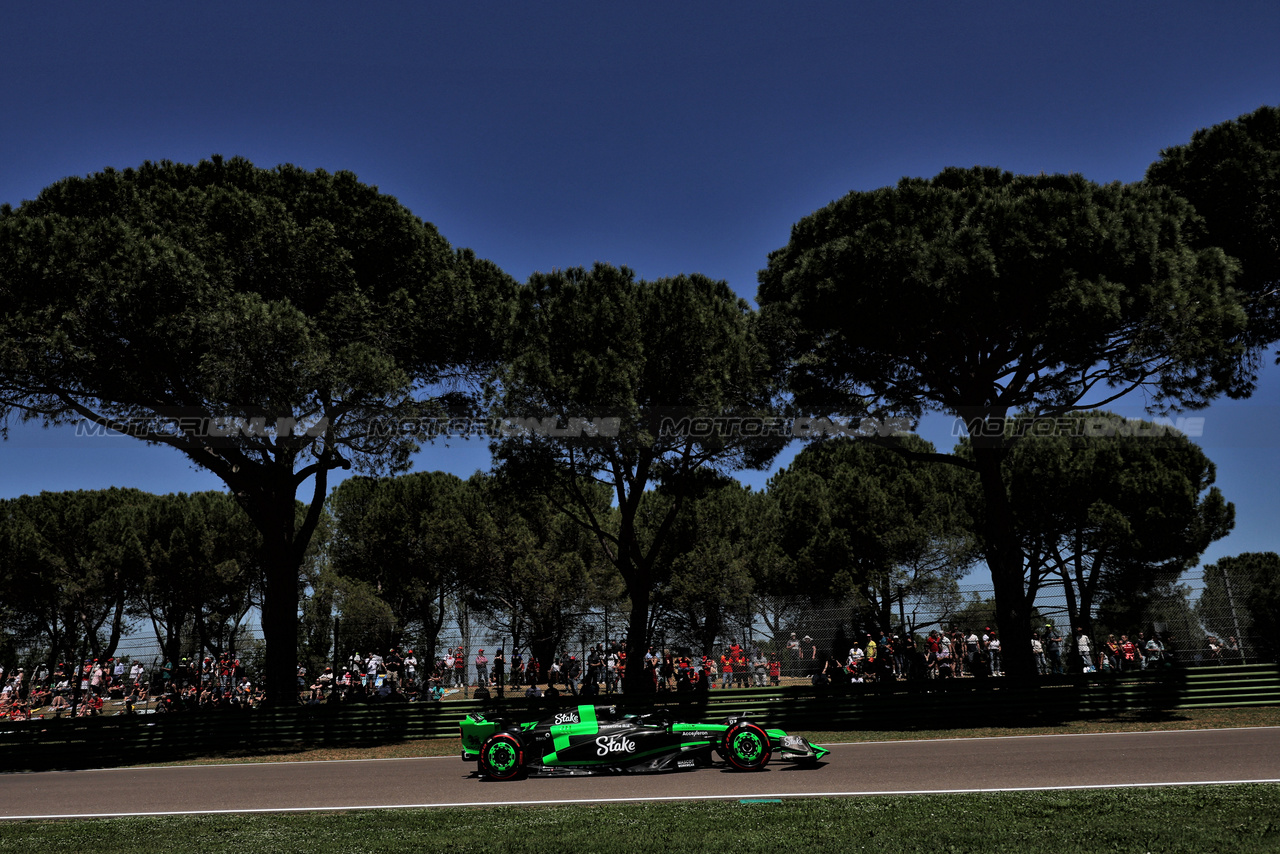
(459,668)
(394,663)
(572,672)
(853,664)
(971,652)
(741,670)
(411,670)
(1084,648)
(900,655)
(517,668)
(1111,652)
(1053,649)
(1215,650)
(993,648)
(595,665)
(482,668)
(793,656)
(759,667)
(1153,652)
(1128,654)
(946,660)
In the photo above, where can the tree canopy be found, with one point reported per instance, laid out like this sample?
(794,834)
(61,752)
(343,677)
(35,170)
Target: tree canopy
(71,565)
(1231,174)
(271,325)
(200,570)
(981,293)
(713,565)
(538,571)
(413,540)
(865,524)
(1241,599)
(611,380)
(1112,507)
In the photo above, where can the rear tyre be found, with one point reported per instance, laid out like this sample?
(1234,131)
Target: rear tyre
(502,756)
(746,746)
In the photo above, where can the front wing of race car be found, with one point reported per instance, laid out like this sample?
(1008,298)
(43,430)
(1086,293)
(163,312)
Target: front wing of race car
(580,742)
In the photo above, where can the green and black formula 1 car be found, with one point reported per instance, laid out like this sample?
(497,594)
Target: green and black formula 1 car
(599,740)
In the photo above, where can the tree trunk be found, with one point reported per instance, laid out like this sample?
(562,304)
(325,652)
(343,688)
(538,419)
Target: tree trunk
(117,627)
(268,496)
(280,599)
(634,682)
(1004,558)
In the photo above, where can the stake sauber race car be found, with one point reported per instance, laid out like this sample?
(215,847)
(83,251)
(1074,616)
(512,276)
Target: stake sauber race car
(599,740)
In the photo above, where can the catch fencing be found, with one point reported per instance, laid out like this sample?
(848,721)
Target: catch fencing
(887,706)
(1203,619)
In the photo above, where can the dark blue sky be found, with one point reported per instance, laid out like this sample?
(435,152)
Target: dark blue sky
(666,137)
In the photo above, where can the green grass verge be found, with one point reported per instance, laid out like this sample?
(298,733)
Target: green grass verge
(1197,820)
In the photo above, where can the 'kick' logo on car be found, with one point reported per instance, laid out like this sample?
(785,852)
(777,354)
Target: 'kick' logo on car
(607,744)
(567,718)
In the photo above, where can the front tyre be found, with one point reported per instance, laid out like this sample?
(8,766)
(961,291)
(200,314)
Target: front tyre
(502,756)
(746,746)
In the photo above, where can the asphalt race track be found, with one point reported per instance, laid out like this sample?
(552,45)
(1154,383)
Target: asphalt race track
(958,765)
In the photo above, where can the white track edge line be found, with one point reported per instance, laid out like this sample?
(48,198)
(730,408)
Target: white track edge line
(668,798)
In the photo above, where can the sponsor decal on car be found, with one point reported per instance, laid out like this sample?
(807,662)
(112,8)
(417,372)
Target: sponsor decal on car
(607,744)
(567,718)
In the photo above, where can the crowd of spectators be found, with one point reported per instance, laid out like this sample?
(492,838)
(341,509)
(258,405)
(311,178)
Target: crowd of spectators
(68,689)
(396,676)
(125,686)
(979,654)
(209,683)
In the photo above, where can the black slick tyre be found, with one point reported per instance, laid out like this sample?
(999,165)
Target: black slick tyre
(502,756)
(746,747)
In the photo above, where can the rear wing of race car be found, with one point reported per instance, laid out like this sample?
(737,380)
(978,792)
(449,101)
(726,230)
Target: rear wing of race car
(475,729)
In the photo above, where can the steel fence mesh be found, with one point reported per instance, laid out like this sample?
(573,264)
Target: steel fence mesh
(1203,619)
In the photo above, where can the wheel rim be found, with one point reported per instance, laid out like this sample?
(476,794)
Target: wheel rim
(502,757)
(747,747)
